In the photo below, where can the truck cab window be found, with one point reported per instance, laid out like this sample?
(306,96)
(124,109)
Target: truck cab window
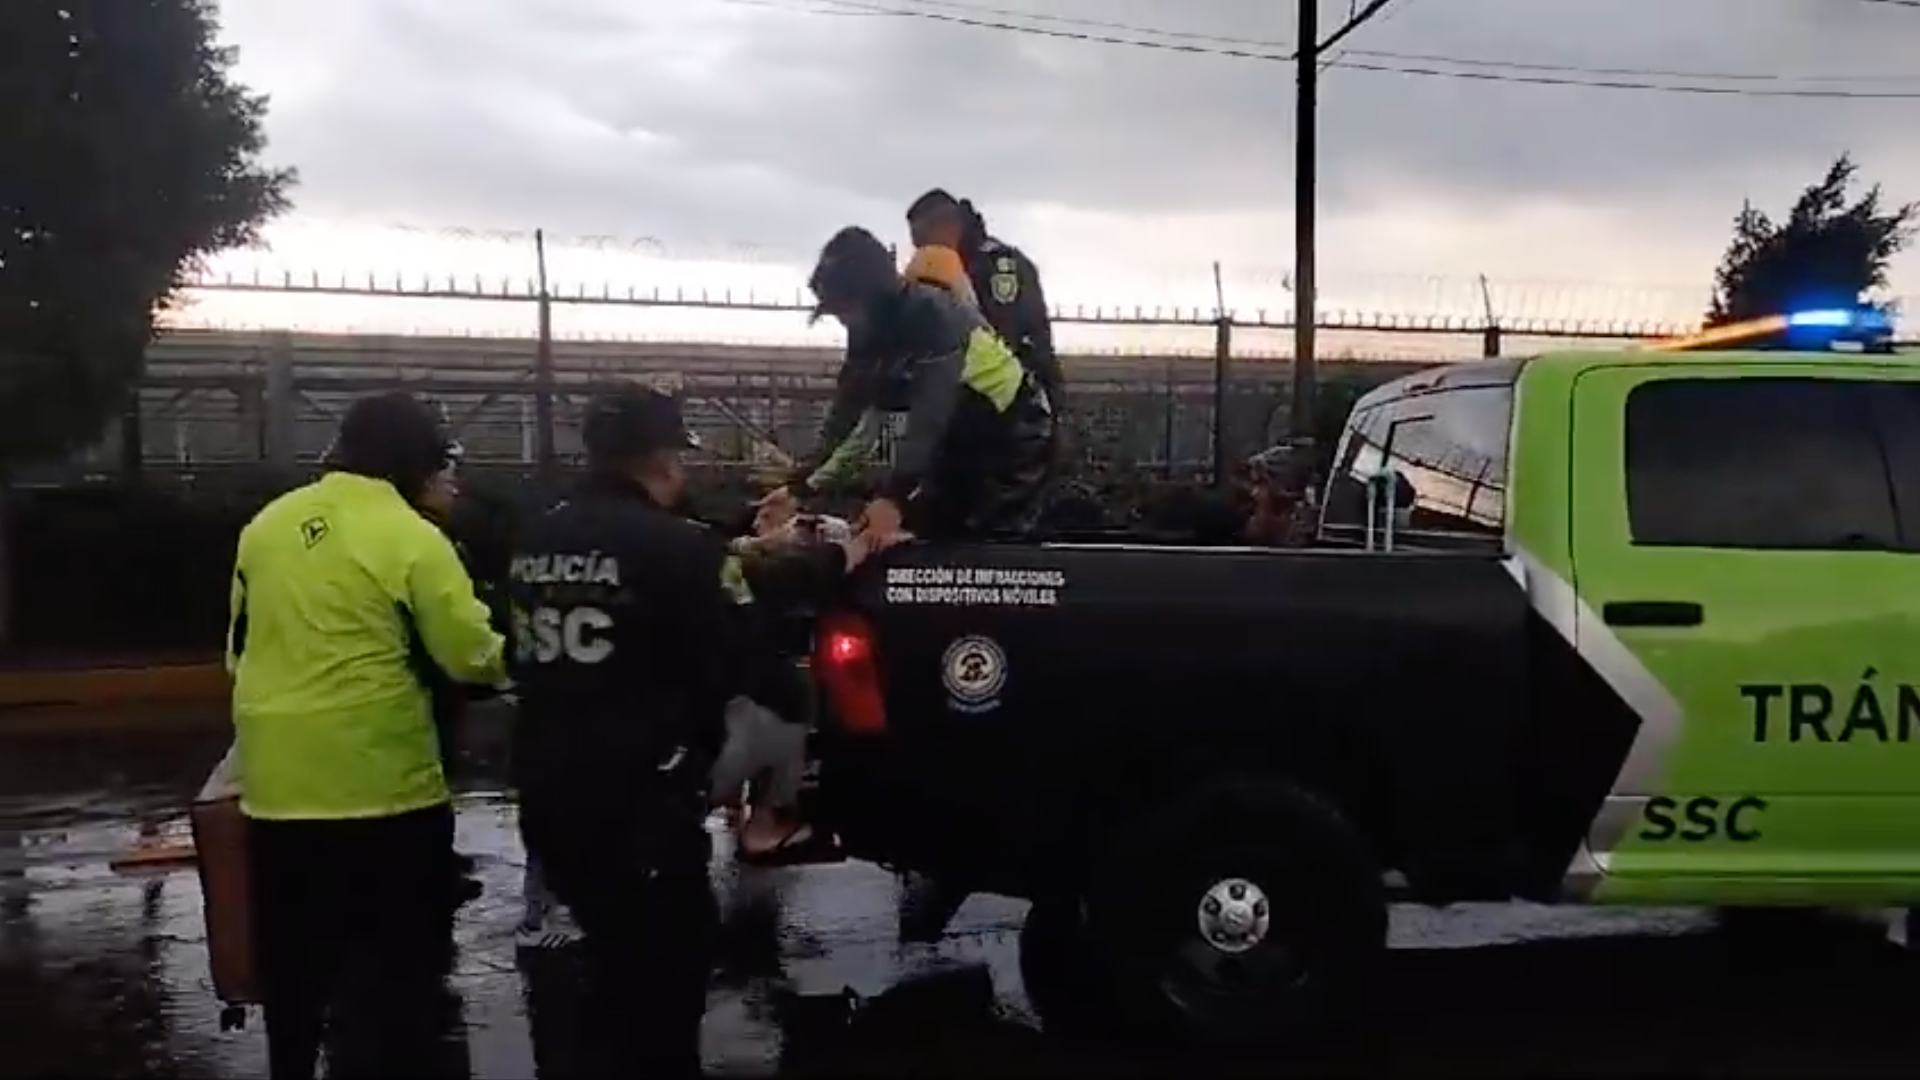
(1897,407)
(1757,463)
(1445,436)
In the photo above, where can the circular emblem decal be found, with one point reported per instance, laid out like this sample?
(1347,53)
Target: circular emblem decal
(974,670)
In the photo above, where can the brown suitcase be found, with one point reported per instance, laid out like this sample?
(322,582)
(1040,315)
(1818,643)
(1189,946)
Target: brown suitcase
(220,836)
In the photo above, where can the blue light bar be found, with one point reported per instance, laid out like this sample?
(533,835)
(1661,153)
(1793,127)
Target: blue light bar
(1838,318)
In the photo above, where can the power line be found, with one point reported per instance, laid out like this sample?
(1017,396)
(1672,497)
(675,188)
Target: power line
(1662,73)
(806,10)
(1131,28)
(1342,54)
(1380,54)
(1626,84)
(1268,43)
(1373,8)
(1543,74)
(1458,61)
(1040,31)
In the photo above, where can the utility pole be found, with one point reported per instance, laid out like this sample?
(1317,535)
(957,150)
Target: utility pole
(1306,106)
(544,457)
(1307,51)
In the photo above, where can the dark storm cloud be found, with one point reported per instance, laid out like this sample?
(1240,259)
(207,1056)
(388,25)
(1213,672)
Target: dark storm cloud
(701,119)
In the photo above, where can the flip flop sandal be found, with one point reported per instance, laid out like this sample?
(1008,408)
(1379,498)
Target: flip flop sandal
(796,849)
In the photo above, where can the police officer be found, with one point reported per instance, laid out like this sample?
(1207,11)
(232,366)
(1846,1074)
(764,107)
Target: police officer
(340,589)
(633,626)
(1004,279)
(978,442)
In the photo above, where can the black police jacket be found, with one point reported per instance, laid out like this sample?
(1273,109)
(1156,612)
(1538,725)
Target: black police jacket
(632,628)
(1007,285)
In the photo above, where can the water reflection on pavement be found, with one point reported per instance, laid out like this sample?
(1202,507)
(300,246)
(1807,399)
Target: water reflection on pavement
(106,974)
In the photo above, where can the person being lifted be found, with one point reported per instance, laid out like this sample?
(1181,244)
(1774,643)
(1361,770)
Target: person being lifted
(974,457)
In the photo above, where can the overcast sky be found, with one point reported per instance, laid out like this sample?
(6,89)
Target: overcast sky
(748,132)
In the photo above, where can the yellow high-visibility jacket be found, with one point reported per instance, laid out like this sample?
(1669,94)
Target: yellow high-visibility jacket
(340,589)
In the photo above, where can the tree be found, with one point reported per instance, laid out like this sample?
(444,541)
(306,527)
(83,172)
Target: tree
(1828,254)
(128,154)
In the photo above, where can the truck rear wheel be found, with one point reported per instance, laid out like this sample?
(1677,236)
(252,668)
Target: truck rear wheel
(1250,912)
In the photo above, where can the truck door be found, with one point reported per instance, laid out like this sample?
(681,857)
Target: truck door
(1747,584)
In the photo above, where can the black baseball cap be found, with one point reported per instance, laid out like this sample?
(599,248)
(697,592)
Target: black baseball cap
(634,420)
(937,199)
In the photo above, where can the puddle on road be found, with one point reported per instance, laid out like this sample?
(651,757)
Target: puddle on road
(106,974)
(113,968)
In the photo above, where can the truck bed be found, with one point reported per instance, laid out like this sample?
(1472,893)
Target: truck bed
(1112,672)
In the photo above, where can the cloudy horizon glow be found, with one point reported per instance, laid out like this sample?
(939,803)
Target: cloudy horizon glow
(734,137)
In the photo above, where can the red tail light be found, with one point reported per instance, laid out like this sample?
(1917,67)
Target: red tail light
(849,671)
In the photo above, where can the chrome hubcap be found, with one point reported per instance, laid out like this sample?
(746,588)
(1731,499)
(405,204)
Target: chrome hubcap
(1234,915)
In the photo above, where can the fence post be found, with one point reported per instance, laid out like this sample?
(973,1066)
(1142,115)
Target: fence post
(741,452)
(773,408)
(1222,360)
(546,461)
(281,405)
(1166,436)
(1490,336)
(132,438)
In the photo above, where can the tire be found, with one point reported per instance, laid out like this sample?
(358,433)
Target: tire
(1247,913)
(1061,970)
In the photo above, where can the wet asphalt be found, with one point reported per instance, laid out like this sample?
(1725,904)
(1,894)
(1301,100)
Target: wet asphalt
(104,973)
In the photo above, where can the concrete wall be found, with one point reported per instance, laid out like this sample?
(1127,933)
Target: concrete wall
(213,400)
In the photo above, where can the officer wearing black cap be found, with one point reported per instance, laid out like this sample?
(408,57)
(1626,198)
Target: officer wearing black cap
(632,629)
(343,599)
(1004,279)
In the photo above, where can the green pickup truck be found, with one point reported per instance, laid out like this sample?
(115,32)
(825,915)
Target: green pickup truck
(1597,627)
(1728,542)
